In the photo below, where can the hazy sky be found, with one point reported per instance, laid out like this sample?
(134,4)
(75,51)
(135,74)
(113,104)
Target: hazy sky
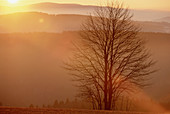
(135,4)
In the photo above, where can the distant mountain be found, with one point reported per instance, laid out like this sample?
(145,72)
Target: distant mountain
(164,19)
(54,8)
(42,22)
(50,8)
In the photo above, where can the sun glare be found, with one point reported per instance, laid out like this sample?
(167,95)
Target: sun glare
(12,1)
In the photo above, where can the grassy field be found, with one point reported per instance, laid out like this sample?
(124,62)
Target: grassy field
(9,110)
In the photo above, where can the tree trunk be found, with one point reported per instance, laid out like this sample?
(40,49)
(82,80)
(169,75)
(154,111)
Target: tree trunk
(105,93)
(106,83)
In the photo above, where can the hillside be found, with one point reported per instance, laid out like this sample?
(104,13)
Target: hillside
(36,74)
(164,19)
(39,22)
(42,22)
(54,8)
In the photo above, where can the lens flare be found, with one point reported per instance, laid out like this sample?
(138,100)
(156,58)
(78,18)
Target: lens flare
(12,1)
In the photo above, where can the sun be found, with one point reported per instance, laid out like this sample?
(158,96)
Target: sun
(12,1)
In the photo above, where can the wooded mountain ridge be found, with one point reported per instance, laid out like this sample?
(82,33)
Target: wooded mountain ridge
(56,8)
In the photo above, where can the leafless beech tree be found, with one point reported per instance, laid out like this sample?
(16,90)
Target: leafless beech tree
(110,58)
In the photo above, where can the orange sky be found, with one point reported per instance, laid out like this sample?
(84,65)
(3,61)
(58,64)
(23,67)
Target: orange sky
(134,4)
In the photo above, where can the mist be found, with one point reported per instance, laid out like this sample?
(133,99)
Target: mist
(32,67)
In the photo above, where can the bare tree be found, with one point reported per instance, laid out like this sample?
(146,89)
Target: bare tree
(110,58)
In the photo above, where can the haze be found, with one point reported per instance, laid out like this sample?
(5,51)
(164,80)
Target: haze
(36,37)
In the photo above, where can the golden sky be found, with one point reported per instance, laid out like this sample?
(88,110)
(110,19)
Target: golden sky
(134,4)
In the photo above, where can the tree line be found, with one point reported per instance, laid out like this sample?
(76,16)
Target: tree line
(67,103)
(124,103)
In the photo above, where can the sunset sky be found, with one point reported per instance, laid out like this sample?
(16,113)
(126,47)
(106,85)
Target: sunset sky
(134,4)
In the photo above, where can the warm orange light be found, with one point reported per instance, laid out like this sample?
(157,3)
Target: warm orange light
(12,1)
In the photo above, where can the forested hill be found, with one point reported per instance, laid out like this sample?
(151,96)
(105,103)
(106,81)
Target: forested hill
(42,22)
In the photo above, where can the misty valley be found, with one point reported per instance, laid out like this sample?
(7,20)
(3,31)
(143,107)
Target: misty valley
(35,64)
